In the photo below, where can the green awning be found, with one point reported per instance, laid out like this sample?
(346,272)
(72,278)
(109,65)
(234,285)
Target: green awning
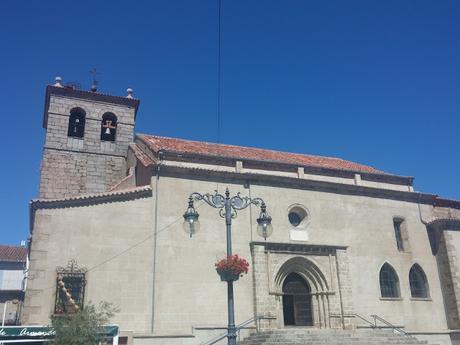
(41,332)
(26,332)
(111,330)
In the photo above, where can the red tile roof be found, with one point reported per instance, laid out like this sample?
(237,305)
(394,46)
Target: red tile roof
(11,253)
(157,143)
(140,155)
(93,196)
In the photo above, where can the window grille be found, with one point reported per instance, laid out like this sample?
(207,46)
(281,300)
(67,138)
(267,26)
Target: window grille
(70,288)
(389,282)
(418,282)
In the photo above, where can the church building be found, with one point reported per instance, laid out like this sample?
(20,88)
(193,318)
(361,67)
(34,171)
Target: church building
(352,246)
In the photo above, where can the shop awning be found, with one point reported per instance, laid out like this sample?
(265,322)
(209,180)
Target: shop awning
(18,334)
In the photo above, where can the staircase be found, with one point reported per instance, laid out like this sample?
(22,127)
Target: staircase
(299,336)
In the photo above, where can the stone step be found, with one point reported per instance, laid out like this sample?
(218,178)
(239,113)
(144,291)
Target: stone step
(307,336)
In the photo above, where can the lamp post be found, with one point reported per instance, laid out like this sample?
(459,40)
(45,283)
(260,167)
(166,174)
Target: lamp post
(228,207)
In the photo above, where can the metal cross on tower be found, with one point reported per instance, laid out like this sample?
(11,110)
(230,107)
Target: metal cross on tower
(94,83)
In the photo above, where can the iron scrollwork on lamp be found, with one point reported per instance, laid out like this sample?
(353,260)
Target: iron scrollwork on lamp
(228,207)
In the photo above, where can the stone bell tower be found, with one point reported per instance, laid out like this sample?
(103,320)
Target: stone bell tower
(87,139)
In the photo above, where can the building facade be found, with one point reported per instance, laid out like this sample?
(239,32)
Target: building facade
(13,268)
(349,240)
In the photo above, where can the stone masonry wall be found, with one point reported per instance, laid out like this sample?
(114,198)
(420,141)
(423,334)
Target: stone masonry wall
(65,174)
(450,277)
(73,166)
(332,304)
(344,278)
(263,303)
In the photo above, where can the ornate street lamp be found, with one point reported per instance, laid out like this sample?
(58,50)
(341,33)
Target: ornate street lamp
(191,223)
(228,207)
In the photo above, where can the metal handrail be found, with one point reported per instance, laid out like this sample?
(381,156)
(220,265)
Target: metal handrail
(376,317)
(373,325)
(257,318)
(238,328)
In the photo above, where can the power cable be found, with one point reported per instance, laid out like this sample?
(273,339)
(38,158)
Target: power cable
(219,69)
(127,249)
(219,73)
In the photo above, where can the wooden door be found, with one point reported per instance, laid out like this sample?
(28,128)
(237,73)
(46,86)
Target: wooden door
(297,308)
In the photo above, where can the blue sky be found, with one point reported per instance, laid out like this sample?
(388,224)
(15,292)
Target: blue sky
(376,82)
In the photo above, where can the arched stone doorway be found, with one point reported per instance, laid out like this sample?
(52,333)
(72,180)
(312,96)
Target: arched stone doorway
(297,306)
(304,293)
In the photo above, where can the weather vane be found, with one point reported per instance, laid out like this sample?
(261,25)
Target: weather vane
(94,84)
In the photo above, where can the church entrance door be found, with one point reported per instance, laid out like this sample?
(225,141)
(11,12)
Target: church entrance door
(297,308)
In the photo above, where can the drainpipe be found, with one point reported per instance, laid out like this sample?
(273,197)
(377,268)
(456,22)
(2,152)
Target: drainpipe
(420,210)
(155,231)
(4,313)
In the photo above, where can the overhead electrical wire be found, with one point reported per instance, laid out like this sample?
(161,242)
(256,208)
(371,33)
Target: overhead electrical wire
(115,256)
(219,70)
(219,96)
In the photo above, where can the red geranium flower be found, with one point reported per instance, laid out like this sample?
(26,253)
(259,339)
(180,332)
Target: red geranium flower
(232,264)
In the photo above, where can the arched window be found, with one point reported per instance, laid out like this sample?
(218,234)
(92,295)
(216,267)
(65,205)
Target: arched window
(298,215)
(108,127)
(389,282)
(76,127)
(418,282)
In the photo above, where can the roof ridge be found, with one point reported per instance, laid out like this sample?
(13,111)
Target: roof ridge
(359,166)
(141,155)
(240,146)
(10,246)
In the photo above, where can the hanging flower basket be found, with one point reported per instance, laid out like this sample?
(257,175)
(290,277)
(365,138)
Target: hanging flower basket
(227,276)
(231,268)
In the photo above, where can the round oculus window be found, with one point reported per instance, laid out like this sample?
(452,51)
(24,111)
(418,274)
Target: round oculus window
(297,216)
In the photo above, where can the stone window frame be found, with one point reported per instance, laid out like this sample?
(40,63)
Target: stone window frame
(70,298)
(109,115)
(418,270)
(77,113)
(397,283)
(400,226)
(304,214)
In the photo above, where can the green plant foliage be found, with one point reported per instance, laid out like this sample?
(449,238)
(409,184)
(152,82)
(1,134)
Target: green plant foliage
(84,327)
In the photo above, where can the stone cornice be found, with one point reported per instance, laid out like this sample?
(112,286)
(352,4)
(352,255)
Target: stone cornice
(298,183)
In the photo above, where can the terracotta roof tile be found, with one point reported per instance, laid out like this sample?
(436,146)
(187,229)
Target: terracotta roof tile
(157,143)
(88,199)
(11,253)
(141,155)
(113,193)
